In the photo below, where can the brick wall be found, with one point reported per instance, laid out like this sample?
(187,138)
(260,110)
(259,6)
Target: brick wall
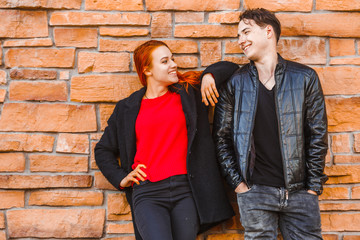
(64,63)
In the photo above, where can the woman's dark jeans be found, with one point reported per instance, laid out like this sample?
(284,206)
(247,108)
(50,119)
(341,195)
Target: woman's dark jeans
(263,209)
(165,210)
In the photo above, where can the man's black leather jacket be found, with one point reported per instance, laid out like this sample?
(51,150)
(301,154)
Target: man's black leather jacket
(302,122)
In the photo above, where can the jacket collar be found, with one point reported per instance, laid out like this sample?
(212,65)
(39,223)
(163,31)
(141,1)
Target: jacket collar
(280,66)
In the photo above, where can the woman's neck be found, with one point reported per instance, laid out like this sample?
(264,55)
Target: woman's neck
(155,91)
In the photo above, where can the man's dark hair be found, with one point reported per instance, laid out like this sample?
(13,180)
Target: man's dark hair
(263,17)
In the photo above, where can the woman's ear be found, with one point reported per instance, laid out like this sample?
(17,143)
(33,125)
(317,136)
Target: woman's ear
(147,71)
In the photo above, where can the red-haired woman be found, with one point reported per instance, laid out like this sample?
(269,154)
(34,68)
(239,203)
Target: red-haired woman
(162,136)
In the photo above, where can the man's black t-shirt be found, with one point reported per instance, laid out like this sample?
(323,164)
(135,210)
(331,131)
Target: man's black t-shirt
(268,168)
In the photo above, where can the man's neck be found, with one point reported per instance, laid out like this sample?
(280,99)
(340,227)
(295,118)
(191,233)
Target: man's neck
(267,64)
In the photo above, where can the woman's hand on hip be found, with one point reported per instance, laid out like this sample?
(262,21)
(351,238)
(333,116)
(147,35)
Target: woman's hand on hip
(134,176)
(209,92)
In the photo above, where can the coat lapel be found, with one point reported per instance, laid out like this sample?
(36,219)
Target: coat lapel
(188,102)
(130,115)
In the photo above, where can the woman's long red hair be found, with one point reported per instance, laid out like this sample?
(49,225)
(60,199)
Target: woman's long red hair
(142,59)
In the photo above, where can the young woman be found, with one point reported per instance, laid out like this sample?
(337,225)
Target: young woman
(161,134)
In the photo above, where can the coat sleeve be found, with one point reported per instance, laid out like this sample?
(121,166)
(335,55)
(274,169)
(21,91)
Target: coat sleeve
(315,128)
(223,137)
(221,71)
(107,153)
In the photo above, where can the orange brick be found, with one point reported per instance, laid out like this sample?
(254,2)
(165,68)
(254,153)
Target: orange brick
(232,47)
(189,5)
(98,18)
(23,24)
(347,61)
(351,237)
(66,198)
(12,199)
(41,42)
(343,174)
(51,163)
(331,193)
(73,143)
(26,143)
(225,236)
(2,77)
(186,61)
(120,228)
(357,142)
(182,46)
(161,25)
(283,6)
(95,136)
(3,235)
(238,60)
(343,114)
(229,17)
(117,204)
(2,220)
(340,222)
(344,207)
(189,17)
(340,143)
(117,5)
(93,165)
(64,75)
(339,80)
(61,58)
(122,238)
(123,32)
(63,4)
(12,162)
(335,5)
(32,74)
(2,95)
(205,31)
(56,223)
(346,159)
(210,52)
(105,113)
(342,47)
(103,88)
(103,62)
(355,192)
(306,51)
(330,237)
(102,183)
(75,37)
(234,223)
(38,181)
(320,24)
(64,117)
(119,46)
(38,91)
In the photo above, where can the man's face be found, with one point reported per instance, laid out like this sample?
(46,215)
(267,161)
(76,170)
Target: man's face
(252,39)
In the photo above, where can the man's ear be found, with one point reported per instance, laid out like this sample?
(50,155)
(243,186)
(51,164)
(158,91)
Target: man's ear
(269,31)
(147,71)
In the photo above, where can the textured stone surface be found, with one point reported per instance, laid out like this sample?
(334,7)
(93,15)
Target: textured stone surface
(12,199)
(23,24)
(343,114)
(51,163)
(75,37)
(34,117)
(66,198)
(12,162)
(72,143)
(103,62)
(56,223)
(39,91)
(103,88)
(26,143)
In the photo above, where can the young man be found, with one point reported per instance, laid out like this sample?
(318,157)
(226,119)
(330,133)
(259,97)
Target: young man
(270,130)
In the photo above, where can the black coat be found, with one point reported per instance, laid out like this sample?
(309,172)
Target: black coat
(119,140)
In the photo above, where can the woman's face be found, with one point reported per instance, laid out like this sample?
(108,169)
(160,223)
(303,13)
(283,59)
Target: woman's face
(163,69)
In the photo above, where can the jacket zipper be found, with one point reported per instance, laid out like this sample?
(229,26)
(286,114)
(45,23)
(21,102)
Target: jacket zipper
(279,131)
(252,126)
